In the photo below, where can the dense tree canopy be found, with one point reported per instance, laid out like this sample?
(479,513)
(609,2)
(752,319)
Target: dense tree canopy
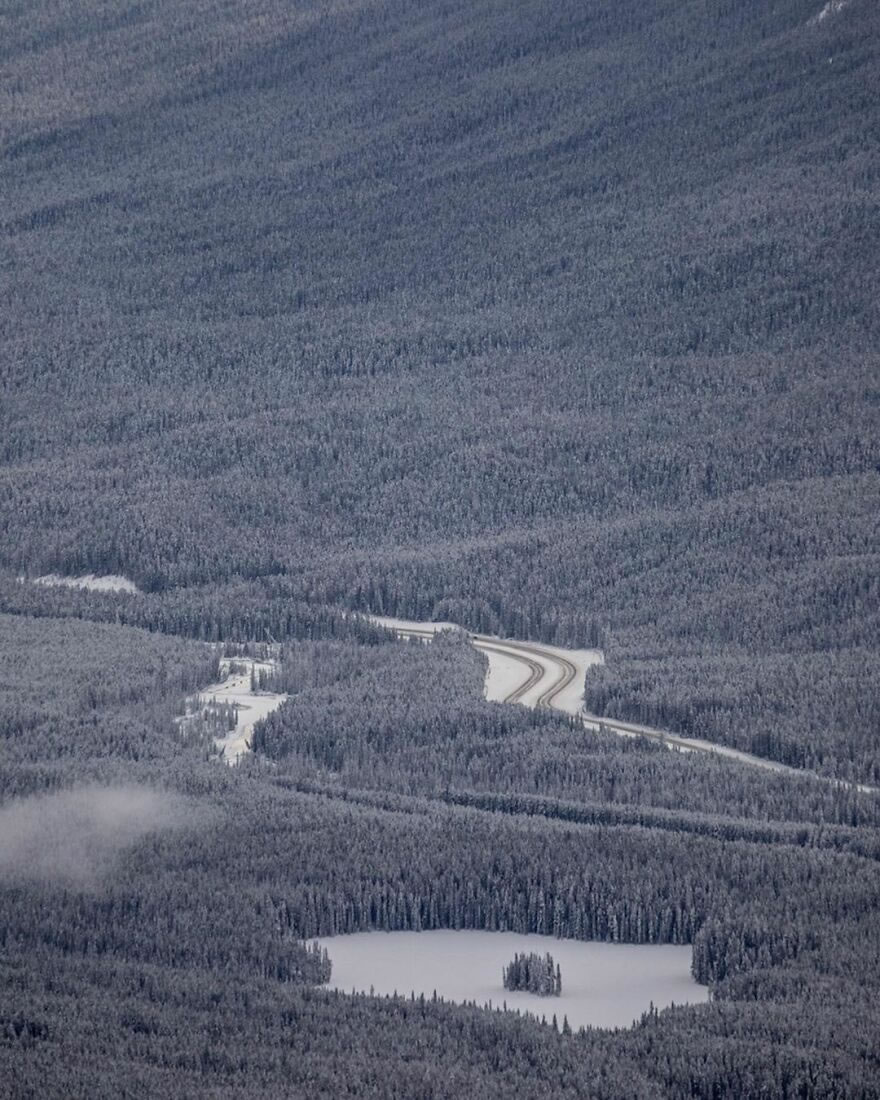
(559,321)
(556,320)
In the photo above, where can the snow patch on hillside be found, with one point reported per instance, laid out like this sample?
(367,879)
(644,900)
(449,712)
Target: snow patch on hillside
(833,7)
(504,675)
(111,582)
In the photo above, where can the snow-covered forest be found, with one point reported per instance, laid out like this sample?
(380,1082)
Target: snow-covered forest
(557,321)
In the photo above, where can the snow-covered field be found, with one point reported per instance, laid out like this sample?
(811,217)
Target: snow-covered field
(108,583)
(603,984)
(252,706)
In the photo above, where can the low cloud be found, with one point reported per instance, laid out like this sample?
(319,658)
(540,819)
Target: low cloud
(74,837)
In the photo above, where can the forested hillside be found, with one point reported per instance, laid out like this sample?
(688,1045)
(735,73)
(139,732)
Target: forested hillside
(556,320)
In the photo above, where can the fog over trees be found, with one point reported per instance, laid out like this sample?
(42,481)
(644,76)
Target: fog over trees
(557,321)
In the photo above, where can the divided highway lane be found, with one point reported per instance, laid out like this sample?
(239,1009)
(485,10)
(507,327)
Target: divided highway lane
(532,668)
(534,671)
(528,673)
(562,673)
(553,678)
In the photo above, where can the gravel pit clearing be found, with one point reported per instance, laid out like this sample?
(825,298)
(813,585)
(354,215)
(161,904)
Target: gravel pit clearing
(603,984)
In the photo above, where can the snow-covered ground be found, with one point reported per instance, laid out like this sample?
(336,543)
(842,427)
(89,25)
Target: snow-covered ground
(108,583)
(505,675)
(603,984)
(833,7)
(252,706)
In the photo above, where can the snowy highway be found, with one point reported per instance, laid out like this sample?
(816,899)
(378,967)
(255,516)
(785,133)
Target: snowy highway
(519,672)
(547,676)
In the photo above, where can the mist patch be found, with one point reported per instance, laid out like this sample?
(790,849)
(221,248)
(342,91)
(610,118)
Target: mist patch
(75,837)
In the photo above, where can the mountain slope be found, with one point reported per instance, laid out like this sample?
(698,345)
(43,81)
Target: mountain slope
(559,317)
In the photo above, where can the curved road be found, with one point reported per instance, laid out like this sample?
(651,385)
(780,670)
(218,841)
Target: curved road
(542,663)
(534,670)
(524,654)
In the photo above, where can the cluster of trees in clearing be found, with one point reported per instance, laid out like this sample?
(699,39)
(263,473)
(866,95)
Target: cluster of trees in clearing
(533,973)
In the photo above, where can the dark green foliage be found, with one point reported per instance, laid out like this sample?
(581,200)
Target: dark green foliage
(96,1029)
(81,699)
(819,711)
(263,610)
(386,718)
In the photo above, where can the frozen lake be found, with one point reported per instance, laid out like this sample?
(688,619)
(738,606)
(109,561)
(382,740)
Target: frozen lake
(603,984)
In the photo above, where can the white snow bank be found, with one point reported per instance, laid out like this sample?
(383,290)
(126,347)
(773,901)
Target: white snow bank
(109,583)
(506,675)
(831,8)
(603,984)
